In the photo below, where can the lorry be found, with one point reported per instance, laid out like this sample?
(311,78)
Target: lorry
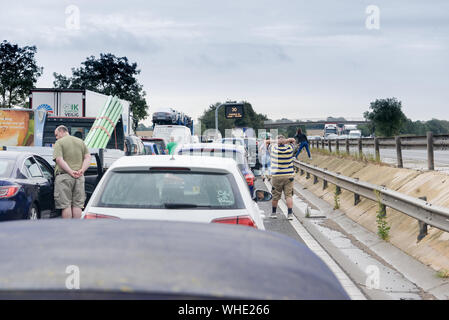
(330,128)
(78,104)
(169,116)
(348,127)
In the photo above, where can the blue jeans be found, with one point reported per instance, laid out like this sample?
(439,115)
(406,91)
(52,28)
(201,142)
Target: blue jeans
(303,144)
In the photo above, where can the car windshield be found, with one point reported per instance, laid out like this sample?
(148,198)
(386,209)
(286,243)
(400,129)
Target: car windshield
(169,190)
(6,166)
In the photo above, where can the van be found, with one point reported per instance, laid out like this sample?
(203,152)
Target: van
(181,134)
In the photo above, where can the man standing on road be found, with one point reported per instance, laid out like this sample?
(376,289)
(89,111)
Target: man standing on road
(72,159)
(171,146)
(282,179)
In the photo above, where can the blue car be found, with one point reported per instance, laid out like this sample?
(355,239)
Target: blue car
(153,148)
(26,187)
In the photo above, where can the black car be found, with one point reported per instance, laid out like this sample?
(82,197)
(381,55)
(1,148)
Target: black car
(128,259)
(26,186)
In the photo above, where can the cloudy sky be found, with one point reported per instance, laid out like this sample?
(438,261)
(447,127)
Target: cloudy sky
(289,58)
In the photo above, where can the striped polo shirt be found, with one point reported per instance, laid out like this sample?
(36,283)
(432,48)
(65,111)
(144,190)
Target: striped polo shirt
(281,159)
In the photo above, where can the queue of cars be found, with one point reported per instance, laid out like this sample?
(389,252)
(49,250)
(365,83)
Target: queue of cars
(174,207)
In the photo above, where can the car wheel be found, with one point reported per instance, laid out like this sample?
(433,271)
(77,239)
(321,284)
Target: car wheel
(33,213)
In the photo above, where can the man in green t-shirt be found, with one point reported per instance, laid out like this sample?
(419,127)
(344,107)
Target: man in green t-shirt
(72,159)
(171,146)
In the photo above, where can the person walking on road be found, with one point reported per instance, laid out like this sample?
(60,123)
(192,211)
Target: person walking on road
(72,159)
(171,146)
(303,142)
(282,179)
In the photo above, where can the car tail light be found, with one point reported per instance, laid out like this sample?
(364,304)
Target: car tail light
(8,191)
(249,179)
(242,220)
(98,216)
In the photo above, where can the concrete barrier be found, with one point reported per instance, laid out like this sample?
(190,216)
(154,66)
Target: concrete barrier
(433,250)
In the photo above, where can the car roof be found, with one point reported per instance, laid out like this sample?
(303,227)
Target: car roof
(15,154)
(175,161)
(225,146)
(167,258)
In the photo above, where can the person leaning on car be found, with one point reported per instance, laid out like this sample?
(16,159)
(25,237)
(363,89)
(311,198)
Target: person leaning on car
(281,153)
(72,159)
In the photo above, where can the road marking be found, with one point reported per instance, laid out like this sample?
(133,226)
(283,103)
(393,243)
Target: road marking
(351,289)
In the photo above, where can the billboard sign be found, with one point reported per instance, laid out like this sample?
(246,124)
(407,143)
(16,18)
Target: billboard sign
(16,127)
(234,111)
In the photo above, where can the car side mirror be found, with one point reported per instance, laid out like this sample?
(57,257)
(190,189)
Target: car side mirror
(262,196)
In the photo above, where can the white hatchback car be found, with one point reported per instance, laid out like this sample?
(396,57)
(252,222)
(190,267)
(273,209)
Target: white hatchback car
(178,188)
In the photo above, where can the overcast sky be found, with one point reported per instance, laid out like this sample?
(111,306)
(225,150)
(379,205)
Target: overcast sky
(290,59)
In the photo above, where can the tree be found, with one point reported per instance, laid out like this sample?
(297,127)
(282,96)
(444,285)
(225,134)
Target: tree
(109,75)
(18,73)
(250,119)
(386,116)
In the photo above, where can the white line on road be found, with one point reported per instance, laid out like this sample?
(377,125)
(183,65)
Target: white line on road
(351,289)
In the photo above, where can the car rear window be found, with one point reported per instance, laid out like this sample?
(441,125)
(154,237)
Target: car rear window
(172,190)
(6,166)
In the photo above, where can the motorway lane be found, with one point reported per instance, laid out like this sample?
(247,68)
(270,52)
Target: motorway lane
(413,159)
(281,224)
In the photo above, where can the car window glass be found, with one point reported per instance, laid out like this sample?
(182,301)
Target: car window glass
(165,189)
(33,168)
(48,174)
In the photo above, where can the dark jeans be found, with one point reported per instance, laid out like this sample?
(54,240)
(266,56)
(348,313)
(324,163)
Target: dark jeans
(303,144)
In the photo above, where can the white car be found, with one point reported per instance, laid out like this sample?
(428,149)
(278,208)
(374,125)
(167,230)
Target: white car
(178,188)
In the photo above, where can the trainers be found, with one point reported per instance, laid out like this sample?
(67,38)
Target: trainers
(273,216)
(290,216)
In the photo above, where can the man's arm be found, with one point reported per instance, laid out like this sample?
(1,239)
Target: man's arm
(64,166)
(86,164)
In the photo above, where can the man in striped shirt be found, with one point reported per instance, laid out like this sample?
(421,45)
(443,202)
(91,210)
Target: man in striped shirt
(282,155)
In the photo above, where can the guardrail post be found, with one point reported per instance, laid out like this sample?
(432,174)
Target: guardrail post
(307,175)
(315,179)
(376,149)
(356,199)
(422,225)
(329,145)
(430,155)
(337,146)
(301,172)
(324,184)
(347,146)
(360,149)
(337,190)
(399,151)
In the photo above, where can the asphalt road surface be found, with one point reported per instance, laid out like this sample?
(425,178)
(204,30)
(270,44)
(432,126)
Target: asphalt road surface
(281,224)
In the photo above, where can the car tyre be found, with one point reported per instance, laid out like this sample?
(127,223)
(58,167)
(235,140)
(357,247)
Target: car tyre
(33,213)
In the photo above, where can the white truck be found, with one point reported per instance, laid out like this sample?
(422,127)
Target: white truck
(76,103)
(348,127)
(330,128)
